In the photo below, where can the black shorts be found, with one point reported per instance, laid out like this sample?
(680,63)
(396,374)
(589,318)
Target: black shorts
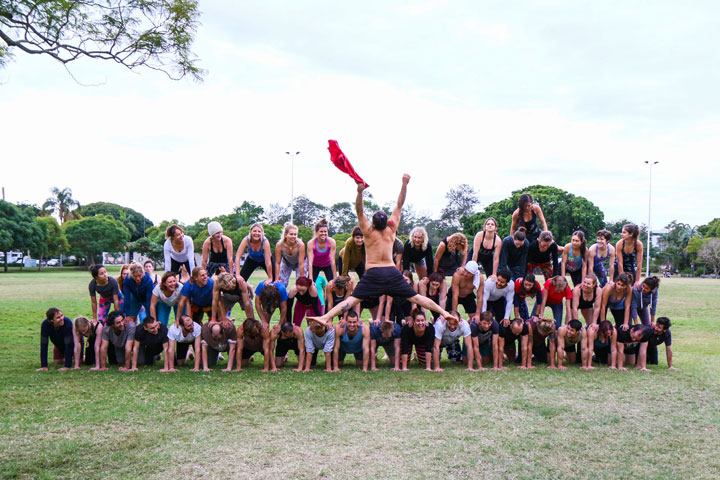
(249,352)
(469,302)
(181,349)
(379,281)
(369,303)
(283,347)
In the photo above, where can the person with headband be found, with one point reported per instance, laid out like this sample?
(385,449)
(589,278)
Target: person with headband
(217,250)
(465,282)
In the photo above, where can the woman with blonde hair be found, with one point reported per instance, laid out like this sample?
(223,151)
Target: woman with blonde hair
(419,252)
(486,248)
(259,254)
(228,290)
(178,249)
(92,331)
(289,255)
(451,254)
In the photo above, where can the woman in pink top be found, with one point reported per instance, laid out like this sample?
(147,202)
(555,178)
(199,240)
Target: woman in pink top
(321,253)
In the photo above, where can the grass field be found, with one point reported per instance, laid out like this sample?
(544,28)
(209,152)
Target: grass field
(454,424)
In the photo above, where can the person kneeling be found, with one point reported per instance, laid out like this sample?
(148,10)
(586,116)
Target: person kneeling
(387,335)
(319,335)
(569,336)
(150,341)
(218,337)
(352,337)
(181,338)
(518,330)
(284,338)
(421,335)
(253,337)
(447,335)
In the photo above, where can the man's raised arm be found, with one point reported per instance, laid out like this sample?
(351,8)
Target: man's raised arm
(395,217)
(363,222)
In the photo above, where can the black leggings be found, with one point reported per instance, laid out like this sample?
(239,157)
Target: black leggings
(619,316)
(486,260)
(576,277)
(327,271)
(251,265)
(175,266)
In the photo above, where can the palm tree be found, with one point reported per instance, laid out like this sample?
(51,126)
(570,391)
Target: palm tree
(62,202)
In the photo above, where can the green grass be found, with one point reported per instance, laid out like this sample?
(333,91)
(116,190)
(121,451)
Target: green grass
(454,424)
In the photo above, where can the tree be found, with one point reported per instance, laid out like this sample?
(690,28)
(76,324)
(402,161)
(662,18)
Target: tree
(709,254)
(157,34)
(308,212)
(135,222)
(55,240)
(61,202)
(91,236)
(18,230)
(564,212)
(712,229)
(149,249)
(342,218)
(462,201)
(277,214)
(674,252)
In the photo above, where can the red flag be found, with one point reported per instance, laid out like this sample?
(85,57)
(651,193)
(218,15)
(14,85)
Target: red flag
(342,163)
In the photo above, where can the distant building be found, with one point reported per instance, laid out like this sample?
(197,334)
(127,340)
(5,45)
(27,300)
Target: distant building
(657,238)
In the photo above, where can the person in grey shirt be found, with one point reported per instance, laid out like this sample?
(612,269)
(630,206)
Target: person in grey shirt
(121,335)
(319,336)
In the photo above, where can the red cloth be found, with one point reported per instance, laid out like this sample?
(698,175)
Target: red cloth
(341,162)
(556,297)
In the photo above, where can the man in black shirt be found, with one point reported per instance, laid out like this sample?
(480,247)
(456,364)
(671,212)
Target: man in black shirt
(631,343)
(151,339)
(661,334)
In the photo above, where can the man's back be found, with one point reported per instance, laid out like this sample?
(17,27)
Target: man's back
(378,247)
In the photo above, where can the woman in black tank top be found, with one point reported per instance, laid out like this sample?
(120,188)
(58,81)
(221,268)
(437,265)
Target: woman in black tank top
(486,248)
(213,259)
(589,307)
(526,215)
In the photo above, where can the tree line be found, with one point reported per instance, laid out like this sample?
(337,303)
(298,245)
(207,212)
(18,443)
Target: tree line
(88,230)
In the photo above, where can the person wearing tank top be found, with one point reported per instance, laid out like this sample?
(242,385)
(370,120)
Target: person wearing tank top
(252,337)
(574,258)
(617,297)
(289,255)
(451,254)
(587,299)
(304,295)
(258,254)
(337,291)
(630,253)
(178,250)
(486,248)
(543,254)
(217,250)
(435,288)
(165,298)
(600,340)
(601,257)
(228,290)
(353,337)
(527,215)
(321,253)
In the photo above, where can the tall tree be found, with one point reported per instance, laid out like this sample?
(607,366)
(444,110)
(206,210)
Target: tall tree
(711,229)
(157,34)
(91,236)
(674,245)
(342,218)
(18,230)
(55,240)
(564,212)
(277,214)
(62,202)
(135,222)
(307,212)
(709,254)
(461,202)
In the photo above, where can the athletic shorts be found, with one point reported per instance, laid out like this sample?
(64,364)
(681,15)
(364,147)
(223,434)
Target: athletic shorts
(282,348)
(249,352)
(379,281)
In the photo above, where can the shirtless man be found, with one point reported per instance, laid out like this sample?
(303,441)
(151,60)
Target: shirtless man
(253,336)
(284,338)
(381,276)
(568,336)
(465,281)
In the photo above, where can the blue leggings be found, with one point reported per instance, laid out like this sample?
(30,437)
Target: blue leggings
(162,310)
(557,310)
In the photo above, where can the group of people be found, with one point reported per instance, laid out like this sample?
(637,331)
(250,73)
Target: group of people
(131,321)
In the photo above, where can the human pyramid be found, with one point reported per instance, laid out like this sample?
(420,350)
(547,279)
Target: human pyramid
(129,324)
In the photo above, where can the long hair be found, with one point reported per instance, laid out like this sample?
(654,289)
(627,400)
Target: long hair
(424,234)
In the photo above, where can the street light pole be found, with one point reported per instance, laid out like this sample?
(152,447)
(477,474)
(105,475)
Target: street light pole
(647,254)
(292,184)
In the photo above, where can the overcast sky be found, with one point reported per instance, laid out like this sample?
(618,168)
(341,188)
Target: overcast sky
(500,95)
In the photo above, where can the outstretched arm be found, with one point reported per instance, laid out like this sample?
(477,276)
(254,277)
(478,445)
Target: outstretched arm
(395,217)
(363,222)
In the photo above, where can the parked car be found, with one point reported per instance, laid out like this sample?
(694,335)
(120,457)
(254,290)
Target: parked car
(53,262)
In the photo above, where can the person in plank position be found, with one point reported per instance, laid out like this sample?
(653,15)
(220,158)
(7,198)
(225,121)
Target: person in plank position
(381,277)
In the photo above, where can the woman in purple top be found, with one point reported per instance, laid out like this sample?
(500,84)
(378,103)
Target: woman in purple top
(321,253)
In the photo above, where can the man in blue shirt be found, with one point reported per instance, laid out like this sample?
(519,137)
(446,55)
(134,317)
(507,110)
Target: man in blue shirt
(198,293)
(268,297)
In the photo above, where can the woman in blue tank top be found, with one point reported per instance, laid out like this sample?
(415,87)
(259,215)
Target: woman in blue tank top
(259,254)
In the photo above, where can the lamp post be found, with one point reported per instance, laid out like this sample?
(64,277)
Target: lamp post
(292,183)
(647,255)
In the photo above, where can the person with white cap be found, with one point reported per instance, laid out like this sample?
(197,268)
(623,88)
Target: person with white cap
(465,281)
(217,250)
